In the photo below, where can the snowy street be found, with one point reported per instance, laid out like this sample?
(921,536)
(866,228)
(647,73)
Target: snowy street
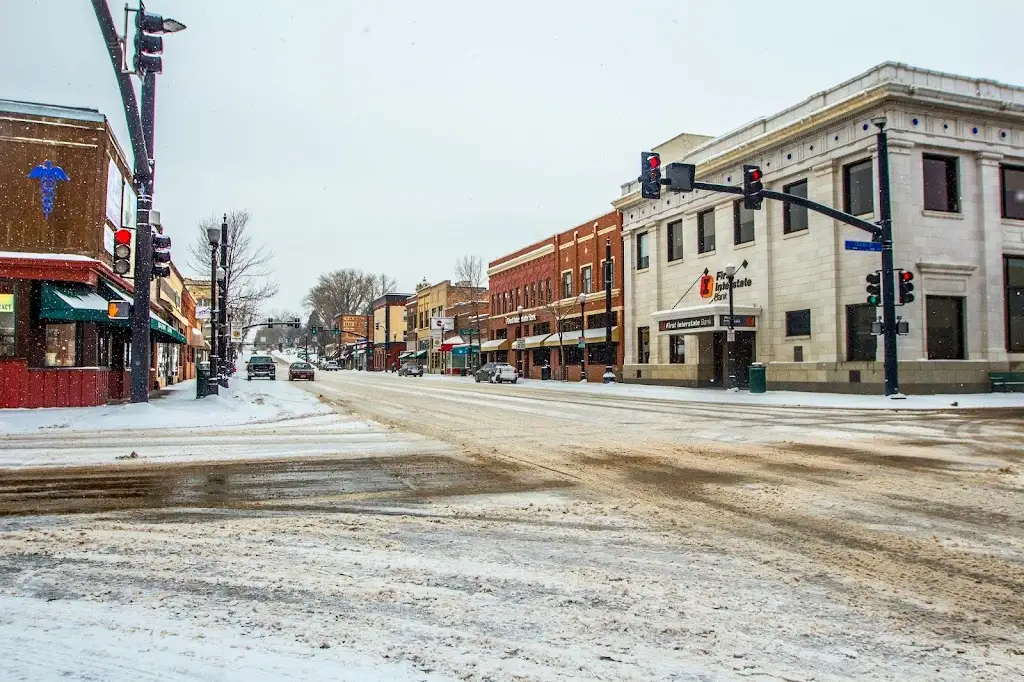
(370,526)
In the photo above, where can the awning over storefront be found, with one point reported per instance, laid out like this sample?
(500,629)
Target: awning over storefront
(493,345)
(598,335)
(450,343)
(568,339)
(164,331)
(534,341)
(69,302)
(706,318)
(197,340)
(406,354)
(420,354)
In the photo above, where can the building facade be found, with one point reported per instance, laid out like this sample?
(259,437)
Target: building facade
(388,331)
(436,301)
(352,339)
(956,163)
(536,318)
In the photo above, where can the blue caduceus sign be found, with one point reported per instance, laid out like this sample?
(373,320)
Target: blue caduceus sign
(47,174)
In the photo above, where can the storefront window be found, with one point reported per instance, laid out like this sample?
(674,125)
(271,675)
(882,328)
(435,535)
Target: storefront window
(861,344)
(643,345)
(1015,305)
(61,345)
(7,326)
(677,349)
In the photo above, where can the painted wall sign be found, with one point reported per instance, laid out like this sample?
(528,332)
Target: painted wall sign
(529,317)
(48,176)
(722,285)
(687,323)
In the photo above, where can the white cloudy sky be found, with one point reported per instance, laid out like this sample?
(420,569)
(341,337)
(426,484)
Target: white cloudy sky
(398,135)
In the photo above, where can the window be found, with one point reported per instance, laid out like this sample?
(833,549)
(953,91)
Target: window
(944,326)
(643,345)
(533,295)
(519,300)
(794,218)
(549,290)
(1013,192)
(567,284)
(677,349)
(61,345)
(798,323)
(941,186)
(494,309)
(743,224)
(8,344)
(675,240)
(587,279)
(706,231)
(1015,305)
(861,344)
(596,321)
(542,328)
(643,257)
(858,188)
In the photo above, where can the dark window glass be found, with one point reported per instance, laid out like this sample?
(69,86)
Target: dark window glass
(706,231)
(944,322)
(566,284)
(794,218)
(743,223)
(549,290)
(643,345)
(1013,192)
(1015,305)
(861,344)
(587,279)
(677,350)
(674,233)
(798,323)
(643,258)
(542,328)
(941,186)
(597,321)
(858,188)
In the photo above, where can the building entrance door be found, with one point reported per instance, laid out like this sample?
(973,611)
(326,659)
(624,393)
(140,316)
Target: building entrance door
(719,359)
(743,351)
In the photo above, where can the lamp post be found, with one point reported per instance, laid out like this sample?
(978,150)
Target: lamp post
(609,273)
(222,277)
(222,302)
(213,236)
(519,337)
(730,273)
(582,298)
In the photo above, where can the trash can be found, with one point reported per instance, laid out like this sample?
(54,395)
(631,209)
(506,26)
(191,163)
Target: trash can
(202,379)
(758,383)
(545,373)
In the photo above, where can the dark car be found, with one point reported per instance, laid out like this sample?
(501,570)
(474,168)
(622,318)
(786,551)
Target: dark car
(300,370)
(411,369)
(261,367)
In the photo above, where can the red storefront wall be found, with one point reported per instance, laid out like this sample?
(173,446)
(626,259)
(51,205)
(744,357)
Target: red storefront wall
(64,387)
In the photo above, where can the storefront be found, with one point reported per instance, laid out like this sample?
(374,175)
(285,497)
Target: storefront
(698,341)
(495,350)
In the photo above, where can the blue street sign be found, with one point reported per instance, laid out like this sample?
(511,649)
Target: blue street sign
(863,246)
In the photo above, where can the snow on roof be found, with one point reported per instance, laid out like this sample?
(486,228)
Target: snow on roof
(25,255)
(50,110)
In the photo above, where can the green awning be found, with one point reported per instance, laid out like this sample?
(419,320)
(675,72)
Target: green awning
(70,302)
(420,354)
(406,354)
(166,330)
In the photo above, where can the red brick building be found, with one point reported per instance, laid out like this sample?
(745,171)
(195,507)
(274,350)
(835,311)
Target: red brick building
(545,280)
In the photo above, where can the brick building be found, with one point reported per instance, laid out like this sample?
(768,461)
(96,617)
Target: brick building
(545,280)
(388,331)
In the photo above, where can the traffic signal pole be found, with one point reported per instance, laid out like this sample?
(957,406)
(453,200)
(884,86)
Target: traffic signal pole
(892,381)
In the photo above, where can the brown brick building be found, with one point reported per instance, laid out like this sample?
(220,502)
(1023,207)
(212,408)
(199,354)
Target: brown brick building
(545,280)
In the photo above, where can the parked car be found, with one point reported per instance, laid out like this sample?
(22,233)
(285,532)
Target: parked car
(331,366)
(261,366)
(300,370)
(497,373)
(411,369)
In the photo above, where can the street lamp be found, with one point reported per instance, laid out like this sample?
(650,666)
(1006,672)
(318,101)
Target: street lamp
(730,273)
(519,341)
(582,298)
(213,236)
(225,355)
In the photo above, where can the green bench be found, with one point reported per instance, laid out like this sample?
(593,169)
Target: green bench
(1007,382)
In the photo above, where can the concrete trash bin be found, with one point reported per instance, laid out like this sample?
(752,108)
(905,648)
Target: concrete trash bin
(758,381)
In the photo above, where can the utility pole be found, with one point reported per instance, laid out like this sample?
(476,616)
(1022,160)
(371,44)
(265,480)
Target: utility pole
(889,330)
(609,272)
(225,236)
(730,338)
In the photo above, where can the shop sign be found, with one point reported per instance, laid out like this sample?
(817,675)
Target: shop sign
(48,176)
(202,312)
(748,321)
(6,303)
(115,193)
(707,286)
(236,335)
(687,323)
(108,239)
(438,324)
(722,285)
(516,319)
(469,332)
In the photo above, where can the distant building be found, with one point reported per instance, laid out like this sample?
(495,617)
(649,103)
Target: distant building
(388,331)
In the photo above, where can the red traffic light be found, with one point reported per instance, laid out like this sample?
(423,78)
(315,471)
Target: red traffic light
(755,174)
(654,161)
(123,236)
(906,276)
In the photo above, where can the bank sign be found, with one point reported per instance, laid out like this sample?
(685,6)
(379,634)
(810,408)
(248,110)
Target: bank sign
(719,289)
(687,323)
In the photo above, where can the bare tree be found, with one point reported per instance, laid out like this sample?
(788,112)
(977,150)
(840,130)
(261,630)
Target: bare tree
(471,283)
(560,310)
(248,268)
(281,332)
(347,291)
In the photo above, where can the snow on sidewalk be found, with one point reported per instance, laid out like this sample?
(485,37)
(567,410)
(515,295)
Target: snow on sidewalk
(177,407)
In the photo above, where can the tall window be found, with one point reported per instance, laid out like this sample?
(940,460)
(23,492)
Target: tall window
(519,300)
(743,223)
(706,231)
(1013,192)
(1015,304)
(674,233)
(858,188)
(944,322)
(643,345)
(7,334)
(533,295)
(941,184)
(548,286)
(61,345)
(677,349)
(567,284)
(798,323)
(861,344)
(794,218)
(643,258)
(587,279)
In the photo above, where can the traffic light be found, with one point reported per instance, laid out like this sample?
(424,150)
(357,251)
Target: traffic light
(118,310)
(122,251)
(312,330)
(650,175)
(874,289)
(906,287)
(296,323)
(752,187)
(147,43)
(270,323)
(679,176)
(161,256)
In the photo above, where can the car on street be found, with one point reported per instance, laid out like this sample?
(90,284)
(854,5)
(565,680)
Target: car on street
(261,367)
(497,373)
(331,366)
(410,369)
(300,370)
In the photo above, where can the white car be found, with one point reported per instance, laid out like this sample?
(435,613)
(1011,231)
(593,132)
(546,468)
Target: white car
(497,373)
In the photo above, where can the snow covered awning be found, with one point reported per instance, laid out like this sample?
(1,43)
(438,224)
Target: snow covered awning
(493,345)
(450,343)
(534,341)
(713,317)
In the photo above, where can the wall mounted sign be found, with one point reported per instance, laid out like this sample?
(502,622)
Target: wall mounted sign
(48,176)
(6,303)
(530,317)
(741,321)
(687,323)
(707,286)
(115,193)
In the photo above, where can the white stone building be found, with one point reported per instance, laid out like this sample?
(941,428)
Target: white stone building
(956,159)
